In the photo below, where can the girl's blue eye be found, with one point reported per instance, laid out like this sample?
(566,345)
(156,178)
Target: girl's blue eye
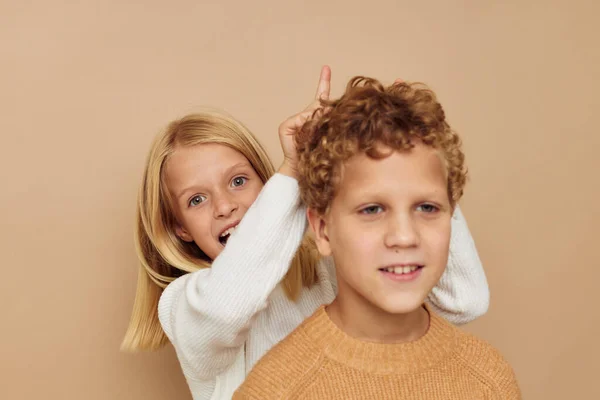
(238,181)
(196,200)
(428,208)
(371,210)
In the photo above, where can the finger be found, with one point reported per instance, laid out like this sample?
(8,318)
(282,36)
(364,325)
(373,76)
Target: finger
(301,119)
(324,84)
(398,81)
(295,122)
(298,121)
(312,106)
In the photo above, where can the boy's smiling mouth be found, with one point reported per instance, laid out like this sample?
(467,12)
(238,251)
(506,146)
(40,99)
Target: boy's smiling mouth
(403,273)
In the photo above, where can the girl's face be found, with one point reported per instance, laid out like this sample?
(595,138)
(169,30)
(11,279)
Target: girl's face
(212,187)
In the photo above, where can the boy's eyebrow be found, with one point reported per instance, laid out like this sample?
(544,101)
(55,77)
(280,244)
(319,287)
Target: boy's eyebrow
(429,194)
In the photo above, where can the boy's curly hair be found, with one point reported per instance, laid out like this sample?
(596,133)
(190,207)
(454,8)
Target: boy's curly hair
(367,116)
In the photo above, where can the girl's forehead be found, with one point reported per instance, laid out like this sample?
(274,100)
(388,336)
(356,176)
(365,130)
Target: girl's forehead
(204,156)
(201,163)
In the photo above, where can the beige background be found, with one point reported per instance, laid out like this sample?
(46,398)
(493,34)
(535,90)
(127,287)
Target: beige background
(84,88)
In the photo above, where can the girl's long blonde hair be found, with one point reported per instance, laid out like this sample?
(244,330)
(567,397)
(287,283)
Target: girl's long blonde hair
(163,256)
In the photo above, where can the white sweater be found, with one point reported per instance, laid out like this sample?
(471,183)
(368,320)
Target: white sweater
(223,319)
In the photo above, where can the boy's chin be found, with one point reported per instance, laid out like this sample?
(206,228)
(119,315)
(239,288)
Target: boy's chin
(401,304)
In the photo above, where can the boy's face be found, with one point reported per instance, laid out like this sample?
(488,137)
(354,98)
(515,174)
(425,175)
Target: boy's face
(388,228)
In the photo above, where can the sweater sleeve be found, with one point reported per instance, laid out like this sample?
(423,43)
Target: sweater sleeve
(462,294)
(207,314)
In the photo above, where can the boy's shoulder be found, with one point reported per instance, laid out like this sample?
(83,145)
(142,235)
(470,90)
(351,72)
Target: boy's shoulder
(487,363)
(283,368)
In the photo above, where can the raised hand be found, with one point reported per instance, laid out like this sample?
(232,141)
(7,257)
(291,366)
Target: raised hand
(290,126)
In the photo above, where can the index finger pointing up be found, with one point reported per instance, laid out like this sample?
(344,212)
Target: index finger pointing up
(324,84)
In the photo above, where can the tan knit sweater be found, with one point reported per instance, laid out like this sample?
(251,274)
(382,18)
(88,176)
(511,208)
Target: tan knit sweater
(319,361)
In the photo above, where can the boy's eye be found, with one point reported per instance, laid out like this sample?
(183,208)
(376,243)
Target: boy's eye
(238,181)
(371,210)
(194,201)
(428,208)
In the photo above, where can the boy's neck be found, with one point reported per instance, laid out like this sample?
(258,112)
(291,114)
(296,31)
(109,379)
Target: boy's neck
(367,322)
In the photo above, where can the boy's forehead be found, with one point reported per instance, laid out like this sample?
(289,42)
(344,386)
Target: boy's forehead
(422,166)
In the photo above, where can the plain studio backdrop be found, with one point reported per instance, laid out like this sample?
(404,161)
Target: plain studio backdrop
(85,87)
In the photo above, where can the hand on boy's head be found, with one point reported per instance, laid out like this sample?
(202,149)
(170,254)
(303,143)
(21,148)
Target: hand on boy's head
(290,127)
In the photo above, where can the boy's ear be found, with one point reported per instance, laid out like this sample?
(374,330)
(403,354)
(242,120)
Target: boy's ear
(183,234)
(319,227)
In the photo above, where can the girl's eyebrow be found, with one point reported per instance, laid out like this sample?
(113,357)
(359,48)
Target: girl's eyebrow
(240,164)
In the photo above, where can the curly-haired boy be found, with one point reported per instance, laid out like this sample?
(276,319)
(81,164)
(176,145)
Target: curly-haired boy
(381,172)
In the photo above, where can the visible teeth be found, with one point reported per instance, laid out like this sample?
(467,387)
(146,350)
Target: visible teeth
(407,269)
(228,231)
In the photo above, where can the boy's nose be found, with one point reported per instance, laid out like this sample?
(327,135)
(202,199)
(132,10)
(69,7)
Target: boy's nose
(402,233)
